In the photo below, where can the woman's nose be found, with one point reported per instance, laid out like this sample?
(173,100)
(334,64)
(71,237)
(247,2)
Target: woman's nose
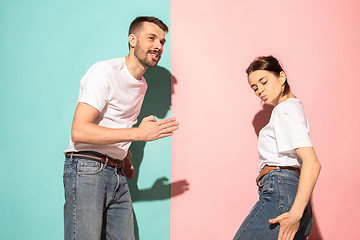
(260,90)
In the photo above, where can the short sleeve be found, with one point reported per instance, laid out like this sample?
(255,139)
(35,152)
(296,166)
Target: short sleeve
(291,129)
(94,87)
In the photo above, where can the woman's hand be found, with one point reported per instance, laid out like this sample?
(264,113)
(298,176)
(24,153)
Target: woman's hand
(290,221)
(289,225)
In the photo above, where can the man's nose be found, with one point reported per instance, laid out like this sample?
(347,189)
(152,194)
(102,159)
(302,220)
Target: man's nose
(158,46)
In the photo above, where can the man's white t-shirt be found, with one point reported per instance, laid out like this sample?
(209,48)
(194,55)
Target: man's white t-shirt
(287,130)
(109,87)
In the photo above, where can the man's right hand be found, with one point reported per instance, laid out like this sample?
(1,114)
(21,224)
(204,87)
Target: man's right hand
(150,129)
(84,130)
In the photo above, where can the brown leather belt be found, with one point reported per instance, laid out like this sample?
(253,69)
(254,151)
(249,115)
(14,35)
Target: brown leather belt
(267,169)
(95,156)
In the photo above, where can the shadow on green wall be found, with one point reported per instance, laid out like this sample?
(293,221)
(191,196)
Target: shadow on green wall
(157,102)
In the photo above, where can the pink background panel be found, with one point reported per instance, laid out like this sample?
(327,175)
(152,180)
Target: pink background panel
(212,42)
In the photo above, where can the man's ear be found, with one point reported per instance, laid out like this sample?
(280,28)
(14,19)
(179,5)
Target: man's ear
(132,40)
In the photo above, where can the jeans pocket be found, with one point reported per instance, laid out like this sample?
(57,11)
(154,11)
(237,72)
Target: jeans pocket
(266,188)
(287,190)
(89,167)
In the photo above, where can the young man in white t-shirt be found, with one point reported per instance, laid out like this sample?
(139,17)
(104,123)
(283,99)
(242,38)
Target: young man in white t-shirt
(97,198)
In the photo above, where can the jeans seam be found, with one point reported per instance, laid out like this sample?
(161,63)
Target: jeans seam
(110,233)
(270,188)
(251,220)
(75,182)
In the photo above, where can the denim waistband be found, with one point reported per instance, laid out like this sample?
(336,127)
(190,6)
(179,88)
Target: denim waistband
(95,156)
(280,173)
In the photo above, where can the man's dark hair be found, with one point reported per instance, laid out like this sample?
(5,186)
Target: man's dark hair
(139,20)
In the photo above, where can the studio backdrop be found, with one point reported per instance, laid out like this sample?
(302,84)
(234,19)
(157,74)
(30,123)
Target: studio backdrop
(200,184)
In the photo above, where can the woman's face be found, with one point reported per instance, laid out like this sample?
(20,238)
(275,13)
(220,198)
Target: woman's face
(267,86)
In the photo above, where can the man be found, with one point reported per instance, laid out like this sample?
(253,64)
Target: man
(97,199)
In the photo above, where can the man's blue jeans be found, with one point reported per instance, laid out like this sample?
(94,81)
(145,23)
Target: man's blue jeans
(97,202)
(277,191)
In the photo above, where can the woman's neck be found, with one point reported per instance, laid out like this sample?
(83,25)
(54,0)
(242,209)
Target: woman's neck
(285,97)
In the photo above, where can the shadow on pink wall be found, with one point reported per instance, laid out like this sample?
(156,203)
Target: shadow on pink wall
(157,102)
(315,233)
(260,120)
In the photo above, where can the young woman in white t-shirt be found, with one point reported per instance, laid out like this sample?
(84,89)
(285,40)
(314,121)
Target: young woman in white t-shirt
(289,167)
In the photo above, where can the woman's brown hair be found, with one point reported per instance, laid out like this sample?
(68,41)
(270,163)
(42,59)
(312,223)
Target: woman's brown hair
(271,64)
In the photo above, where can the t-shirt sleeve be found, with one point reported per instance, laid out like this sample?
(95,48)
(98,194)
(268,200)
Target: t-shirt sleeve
(291,129)
(94,87)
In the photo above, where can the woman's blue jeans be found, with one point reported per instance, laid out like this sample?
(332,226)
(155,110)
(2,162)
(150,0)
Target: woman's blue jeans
(97,202)
(277,191)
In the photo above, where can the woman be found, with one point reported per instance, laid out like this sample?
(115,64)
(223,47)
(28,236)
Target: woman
(283,211)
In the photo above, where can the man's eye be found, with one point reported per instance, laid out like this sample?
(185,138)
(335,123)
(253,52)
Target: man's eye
(255,89)
(264,82)
(151,38)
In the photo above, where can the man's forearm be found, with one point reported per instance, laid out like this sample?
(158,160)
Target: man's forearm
(85,131)
(93,134)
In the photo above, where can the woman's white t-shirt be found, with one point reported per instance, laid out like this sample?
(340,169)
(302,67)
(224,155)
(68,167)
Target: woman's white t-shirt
(287,130)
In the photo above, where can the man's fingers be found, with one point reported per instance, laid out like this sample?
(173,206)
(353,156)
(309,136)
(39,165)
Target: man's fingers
(166,120)
(169,129)
(150,118)
(152,130)
(167,125)
(165,135)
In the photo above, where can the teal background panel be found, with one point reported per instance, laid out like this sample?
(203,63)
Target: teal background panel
(46,47)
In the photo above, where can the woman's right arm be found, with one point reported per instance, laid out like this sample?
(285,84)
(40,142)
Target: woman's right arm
(289,221)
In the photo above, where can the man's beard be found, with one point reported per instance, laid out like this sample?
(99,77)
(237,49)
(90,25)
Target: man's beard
(144,60)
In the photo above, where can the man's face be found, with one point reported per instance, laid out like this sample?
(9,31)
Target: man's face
(149,44)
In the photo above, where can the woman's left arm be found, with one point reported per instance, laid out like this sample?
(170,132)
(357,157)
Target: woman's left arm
(290,221)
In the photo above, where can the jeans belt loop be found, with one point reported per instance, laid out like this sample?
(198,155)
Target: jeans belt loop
(106,161)
(71,158)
